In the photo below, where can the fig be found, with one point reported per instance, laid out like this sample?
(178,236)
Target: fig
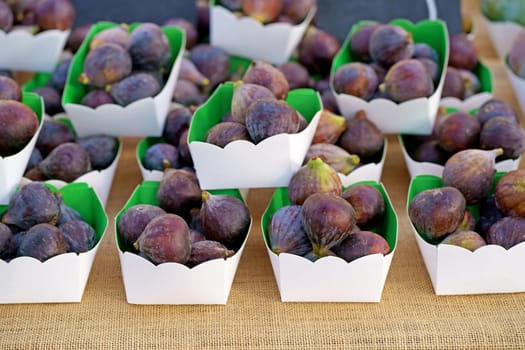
(327,220)
(263,11)
(296,75)
(67,213)
(510,193)
(516,57)
(423,50)
(96,98)
(42,241)
(322,85)
(184,149)
(359,244)
(390,44)
(454,85)
(431,152)
(195,222)
(9,89)
(218,226)
(106,64)
(189,29)
(18,125)
(244,94)
(432,68)
(179,192)
(380,72)
(133,221)
(54,14)
(34,159)
(315,176)
(262,73)
(134,87)
(161,156)
(468,223)
(362,137)
(286,233)
(203,18)
(6,17)
(462,53)
(313,257)
(76,37)
(149,47)
(196,236)
(297,10)
(502,132)
(360,42)
(190,73)
(232,5)
(458,131)
(470,240)
(356,79)
(471,171)
(79,235)
(34,174)
(437,212)
(471,83)
(6,240)
(211,61)
(67,162)
(187,94)
(317,50)
(368,204)
(495,108)
(166,238)
(507,232)
(329,128)
(268,117)
(488,214)
(118,35)
(102,149)
(52,99)
(52,134)
(329,102)
(406,80)
(206,250)
(336,157)
(177,120)
(223,133)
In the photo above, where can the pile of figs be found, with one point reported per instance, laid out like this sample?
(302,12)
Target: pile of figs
(36,15)
(387,63)
(59,154)
(269,11)
(465,211)
(37,223)
(516,57)
(494,125)
(123,65)
(323,219)
(188,226)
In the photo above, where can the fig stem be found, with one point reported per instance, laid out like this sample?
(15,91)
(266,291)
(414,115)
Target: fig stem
(205,195)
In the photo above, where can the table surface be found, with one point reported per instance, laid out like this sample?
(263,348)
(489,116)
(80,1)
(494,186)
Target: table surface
(409,316)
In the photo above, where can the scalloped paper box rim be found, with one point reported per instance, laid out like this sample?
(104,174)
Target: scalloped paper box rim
(427,168)
(518,84)
(242,164)
(60,279)
(489,269)
(415,116)
(502,35)
(332,279)
(12,167)
(144,117)
(19,48)
(174,283)
(275,42)
(367,172)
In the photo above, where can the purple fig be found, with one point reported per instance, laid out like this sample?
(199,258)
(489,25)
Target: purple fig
(54,14)
(431,152)
(79,235)
(423,50)
(468,223)
(6,17)
(368,204)
(6,241)
(189,29)
(118,35)
(187,94)
(179,192)
(184,149)
(296,74)
(211,61)
(467,239)
(390,44)
(356,79)
(262,73)
(317,50)
(42,241)
(161,156)
(149,47)
(488,214)
(190,73)
(67,162)
(502,132)
(336,157)
(206,250)
(286,233)
(496,108)
(34,159)
(52,99)
(18,125)
(9,89)
(471,83)
(359,244)
(330,102)
(463,53)
(510,193)
(453,86)
(360,42)
(52,134)
(223,133)
(102,149)
(133,221)
(507,232)
(105,64)
(268,117)
(362,137)
(297,10)
(77,36)
(97,97)
(134,87)
(196,236)
(177,120)
(516,58)
(406,80)
(262,11)
(457,131)
(244,94)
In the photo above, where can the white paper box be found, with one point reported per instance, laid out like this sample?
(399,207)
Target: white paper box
(22,50)
(519,87)
(502,35)
(367,172)
(468,104)
(248,38)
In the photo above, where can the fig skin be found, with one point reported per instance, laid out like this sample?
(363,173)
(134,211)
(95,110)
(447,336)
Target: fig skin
(244,94)
(66,212)
(262,11)
(196,236)
(134,220)
(329,102)
(166,238)
(390,44)
(471,171)
(223,133)
(315,176)
(34,159)
(516,58)
(329,128)
(356,79)
(67,162)
(184,149)
(286,233)
(431,152)
(488,214)
(102,149)
(96,98)
(76,37)
(54,14)
(432,69)
(423,50)
(31,205)
(510,193)
(327,220)
(296,75)
(79,235)
(179,191)
(265,74)
(6,241)
(53,134)
(317,50)
(360,42)
(42,241)
(437,212)
(206,250)
(225,219)
(269,117)
(471,83)
(134,87)
(149,47)
(496,108)
(453,86)
(458,131)
(189,72)
(18,124)
(368,204)
(362,137)
(187,94)
(463,53)
(335,156)
(297,10)
(211,61)
(468,223)
(189,28)
(161,156)
(502,132)
(359,244)
(470,240)
(6,17)
(118,35)
(9,89)
(52,99)
(406,80)
(507,232)
(105,64)
(177,120)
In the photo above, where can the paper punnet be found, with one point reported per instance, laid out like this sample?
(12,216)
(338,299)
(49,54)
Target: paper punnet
(144,117)
(331,279)
(19,47)
(367,172)
(243,164)
(414,116)
(502,35)
(12,167)
(489,269)
(61,278)
(518,84)
(173,283)
(275,42)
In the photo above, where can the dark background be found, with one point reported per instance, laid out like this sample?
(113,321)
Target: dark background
(335,16)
